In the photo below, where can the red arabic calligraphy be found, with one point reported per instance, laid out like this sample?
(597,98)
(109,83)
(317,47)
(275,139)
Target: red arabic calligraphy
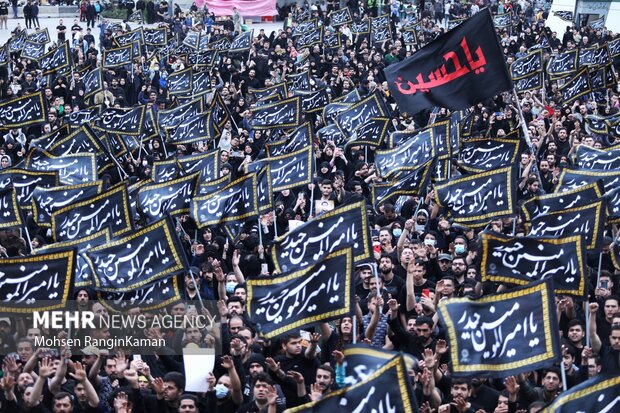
(441,76)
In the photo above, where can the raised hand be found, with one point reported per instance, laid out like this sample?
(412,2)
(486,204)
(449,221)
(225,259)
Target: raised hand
(46,368)
(80,373)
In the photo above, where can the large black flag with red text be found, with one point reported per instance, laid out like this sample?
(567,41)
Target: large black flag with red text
(455,71)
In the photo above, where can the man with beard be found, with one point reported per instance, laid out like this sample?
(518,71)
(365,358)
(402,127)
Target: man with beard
(392,284)
(551,387)
(324,379)
(408,342)
(255,367)
(265,396)
(609,354)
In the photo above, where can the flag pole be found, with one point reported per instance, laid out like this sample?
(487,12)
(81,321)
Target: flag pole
(354,329)
(586,311)
(260,232)
(563,374)
(191,274)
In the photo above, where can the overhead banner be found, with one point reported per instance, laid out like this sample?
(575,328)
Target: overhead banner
(291,170)
(171,197)
(24,182)
(279,115)
(521,260)
(312,295)
(26,110)
(155,296)
(137,260)
(46,201)
(10,217)
(386,390)
(72,169)
(245,8)
(598,394)
(82,275)
(91,215)
(123,121)
(502,334)
(559,201)
(36,283)
(309,243)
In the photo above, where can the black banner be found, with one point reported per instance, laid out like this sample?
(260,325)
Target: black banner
(172,197)
(372,132)
(36,283)
(117,57)
(586,219)
(388,389)
(574,178)
(91,215)
(363,360)
(298,81)
(93,82)
(140,259)
(379,22)
(462,67)
(340,17)
(482,154)
(122,121)
(309,38)
(372,106)
(207,163)
(151,297)
(82,276)
(72,169)
(604,160)
(26,110)
(412,183)
(46,201)
(16,43)
(381,34)
(10,215)
(291,170)
(360,28)
(576,87)
(299,138)
(409,153)
(310,295)
(502,334)
(613,206)
(543,204)
(242,42)
(529,83)
(180,82)
(135,17)
(165,170)
(521,260)
(171,118)
(40,36)
(527,65)
(502,20)
(304,27)
(598,394)
(563,64)
(156,37)
(280,115)
(313,101)
(614,47)
(24,182)
(331,133)
(567,16)
(4,55)
(76,119)
(194,129)
(33,50)
(410,38)
(307,244)
(478,198)
(236,201)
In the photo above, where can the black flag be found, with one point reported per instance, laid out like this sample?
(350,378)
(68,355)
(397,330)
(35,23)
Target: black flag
(117,57)
(574,178)
(10,215)
(527,65)
(171,197)
(56,60)
(91,215)
(196,128)
(482,154)
(412,152)
(521,260)
(598,394)
(340,17)
(586,219)
(242,42)
(372,106)
(565,15)
(563,64)
(45,201)
(307,296)
(139,259)
(236,201)
(502,334)
(576,87)
(171,118)
(122,121)
(387,389)
(207,163)
(151,297)
(410,183)
(279,115)
(461,67)
(93,82)
(82,275)
(25,182)
(591,158)
(72,169)
(558,201)
(309,243)
(372,132)
(298,139)
(478,198)
(26,110)
(33,50)
(292,169)
(37,283)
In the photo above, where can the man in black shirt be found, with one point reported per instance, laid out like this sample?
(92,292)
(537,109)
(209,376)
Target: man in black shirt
(61,29)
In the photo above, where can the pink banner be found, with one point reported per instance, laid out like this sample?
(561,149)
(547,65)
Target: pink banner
(253,8)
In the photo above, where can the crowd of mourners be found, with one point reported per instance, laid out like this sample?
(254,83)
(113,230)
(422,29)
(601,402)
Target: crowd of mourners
(421,256)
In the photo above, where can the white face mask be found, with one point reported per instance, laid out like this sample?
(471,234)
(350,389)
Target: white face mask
(430,242)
